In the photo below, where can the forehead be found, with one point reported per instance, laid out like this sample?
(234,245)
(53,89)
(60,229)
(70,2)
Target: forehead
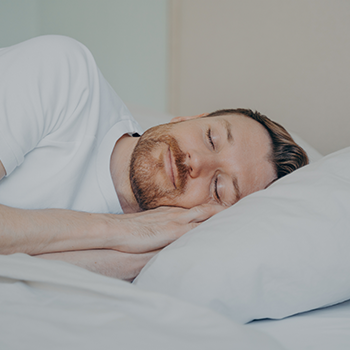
(237,120)
(244,128)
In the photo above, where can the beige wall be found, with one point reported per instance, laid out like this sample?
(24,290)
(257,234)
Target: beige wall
(288,59)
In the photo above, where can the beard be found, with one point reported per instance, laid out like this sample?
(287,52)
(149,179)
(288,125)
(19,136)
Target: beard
(148,191)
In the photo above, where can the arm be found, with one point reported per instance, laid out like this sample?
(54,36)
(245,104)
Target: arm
(106,262)
(56,230)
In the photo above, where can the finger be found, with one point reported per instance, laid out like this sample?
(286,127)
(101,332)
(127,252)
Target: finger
(162,209)
(148,254)
(203,212)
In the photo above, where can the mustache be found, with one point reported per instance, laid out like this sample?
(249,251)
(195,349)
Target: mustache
(179,158)
(178,154)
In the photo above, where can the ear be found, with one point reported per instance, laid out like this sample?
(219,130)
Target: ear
(182,119)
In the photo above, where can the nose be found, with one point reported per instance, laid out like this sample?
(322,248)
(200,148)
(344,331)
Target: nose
(200,164)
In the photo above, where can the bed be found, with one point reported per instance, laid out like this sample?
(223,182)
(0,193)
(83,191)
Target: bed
(270,272)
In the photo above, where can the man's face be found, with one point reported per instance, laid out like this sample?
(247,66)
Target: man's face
(204,160)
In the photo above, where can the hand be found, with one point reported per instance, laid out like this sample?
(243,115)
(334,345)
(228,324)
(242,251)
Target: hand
(59,230)
(154,229)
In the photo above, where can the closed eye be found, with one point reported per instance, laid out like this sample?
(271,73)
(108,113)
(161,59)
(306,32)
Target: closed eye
(210,138)
(216,190)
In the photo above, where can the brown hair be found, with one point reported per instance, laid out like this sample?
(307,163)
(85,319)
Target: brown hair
(286,155)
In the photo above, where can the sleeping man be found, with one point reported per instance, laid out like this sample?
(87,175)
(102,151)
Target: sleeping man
(79,183)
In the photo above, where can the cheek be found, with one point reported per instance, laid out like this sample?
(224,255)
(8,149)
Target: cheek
(188,136)
(196,193)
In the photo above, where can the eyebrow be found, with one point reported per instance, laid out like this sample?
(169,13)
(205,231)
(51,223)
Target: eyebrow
(227,125)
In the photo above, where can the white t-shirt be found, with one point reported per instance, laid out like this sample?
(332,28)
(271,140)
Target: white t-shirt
(59,122)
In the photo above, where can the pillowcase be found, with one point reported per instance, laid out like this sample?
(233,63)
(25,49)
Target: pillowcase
(275,253)
(312,153)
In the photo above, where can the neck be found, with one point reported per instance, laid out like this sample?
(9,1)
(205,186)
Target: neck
(119,167)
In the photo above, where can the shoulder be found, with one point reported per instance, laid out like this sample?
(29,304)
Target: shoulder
(55,47)
(52,43)
(48,50)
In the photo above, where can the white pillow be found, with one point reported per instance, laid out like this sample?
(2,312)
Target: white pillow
(312,153)
(275,253)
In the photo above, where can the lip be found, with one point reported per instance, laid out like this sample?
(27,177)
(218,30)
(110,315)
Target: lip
(170,166)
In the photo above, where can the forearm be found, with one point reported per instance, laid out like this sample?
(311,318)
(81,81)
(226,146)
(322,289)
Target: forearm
(50,230)
(58,230)
(106,262)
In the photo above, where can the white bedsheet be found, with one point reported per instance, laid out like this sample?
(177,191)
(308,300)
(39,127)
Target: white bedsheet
(55,305)
(322,329)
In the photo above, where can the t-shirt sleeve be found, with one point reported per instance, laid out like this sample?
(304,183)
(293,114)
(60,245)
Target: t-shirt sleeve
(43,84)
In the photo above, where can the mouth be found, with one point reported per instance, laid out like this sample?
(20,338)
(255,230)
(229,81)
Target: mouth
(170,167)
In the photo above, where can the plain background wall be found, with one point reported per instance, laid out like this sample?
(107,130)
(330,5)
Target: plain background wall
(128,38)
(18,21)
(288,59)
